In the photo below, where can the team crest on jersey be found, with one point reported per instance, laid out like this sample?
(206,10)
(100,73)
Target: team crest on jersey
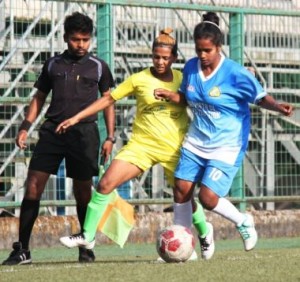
(215,92)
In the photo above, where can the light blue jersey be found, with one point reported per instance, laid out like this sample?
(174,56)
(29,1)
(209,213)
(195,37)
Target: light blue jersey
(220,108)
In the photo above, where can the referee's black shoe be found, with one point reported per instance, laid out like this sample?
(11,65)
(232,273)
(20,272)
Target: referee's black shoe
(18,255)
(86,255)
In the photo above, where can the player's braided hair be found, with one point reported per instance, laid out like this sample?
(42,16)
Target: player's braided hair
(165,39)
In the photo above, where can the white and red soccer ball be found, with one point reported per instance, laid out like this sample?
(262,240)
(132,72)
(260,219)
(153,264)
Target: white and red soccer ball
(175,243)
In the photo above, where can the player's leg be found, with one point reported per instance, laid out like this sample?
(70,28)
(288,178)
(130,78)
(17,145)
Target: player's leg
(183,193)
(29,211)
(118,172)
(205,232)
(82,148)
(131,161)
(82,194)
(198,218)
(244,222)
(189,171)
(35,186)
(45,161)
(215,185)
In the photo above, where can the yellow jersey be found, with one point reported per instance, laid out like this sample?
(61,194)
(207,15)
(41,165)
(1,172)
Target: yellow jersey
(157,123)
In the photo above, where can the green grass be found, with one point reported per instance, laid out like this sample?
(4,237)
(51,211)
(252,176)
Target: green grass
(272,260)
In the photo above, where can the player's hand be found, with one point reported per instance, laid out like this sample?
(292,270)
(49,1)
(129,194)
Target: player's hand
(285,109)
(162,94)
(106,150)
(63,126)
(21,139)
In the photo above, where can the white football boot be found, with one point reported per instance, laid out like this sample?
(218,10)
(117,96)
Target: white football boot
(207,243)
(77,240)
(248,232)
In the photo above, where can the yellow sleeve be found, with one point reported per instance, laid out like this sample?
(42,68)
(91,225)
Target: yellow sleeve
(126,88)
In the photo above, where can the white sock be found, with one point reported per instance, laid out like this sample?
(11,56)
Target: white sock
(226,209)
(183,214)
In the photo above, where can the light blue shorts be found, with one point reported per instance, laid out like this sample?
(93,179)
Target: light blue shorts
(214,174)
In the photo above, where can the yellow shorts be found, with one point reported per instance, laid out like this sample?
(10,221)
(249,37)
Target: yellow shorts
(145,156)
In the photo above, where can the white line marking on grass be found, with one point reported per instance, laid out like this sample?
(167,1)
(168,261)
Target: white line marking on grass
(17,268)
(261,256)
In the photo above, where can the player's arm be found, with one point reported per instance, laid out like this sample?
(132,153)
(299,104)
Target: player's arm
(109,117)
(269,103)
(33,111)
(99,105)
(169,96)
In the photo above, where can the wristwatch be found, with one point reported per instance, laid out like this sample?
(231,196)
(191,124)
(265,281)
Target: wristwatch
(111,139)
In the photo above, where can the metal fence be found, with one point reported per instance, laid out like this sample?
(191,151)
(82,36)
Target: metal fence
(264,35)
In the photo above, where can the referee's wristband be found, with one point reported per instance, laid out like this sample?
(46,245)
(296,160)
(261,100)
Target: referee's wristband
(111,139)
(25,125)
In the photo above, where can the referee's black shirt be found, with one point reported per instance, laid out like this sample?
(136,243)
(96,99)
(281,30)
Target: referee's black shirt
(74,84)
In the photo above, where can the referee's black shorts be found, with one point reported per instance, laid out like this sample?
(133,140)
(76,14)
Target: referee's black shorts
(79,146)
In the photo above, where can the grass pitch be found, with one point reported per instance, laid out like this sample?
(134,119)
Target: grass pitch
(273,260)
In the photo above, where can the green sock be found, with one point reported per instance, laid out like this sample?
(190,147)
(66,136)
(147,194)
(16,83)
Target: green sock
(199,221)
(94,213)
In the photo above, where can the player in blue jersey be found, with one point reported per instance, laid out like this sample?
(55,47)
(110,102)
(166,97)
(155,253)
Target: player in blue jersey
(218,91)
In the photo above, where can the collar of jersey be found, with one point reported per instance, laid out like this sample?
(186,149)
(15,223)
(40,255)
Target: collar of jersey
(69,60)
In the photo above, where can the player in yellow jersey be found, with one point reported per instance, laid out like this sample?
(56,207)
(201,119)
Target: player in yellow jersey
(159,126)
(158,131)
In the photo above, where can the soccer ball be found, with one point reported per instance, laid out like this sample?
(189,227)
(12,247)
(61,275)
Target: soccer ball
(175,243)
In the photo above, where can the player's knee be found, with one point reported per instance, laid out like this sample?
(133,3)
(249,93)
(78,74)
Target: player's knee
(35,184)
(180,196)
(206,204)
(209,202)
(33,191)
(105,186)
